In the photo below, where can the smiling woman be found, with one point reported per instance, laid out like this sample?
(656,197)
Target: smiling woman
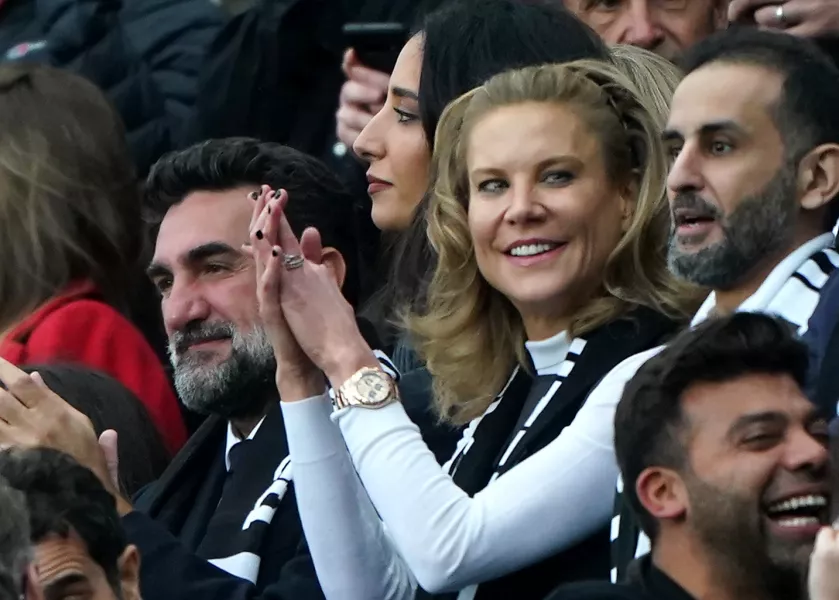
(549,219)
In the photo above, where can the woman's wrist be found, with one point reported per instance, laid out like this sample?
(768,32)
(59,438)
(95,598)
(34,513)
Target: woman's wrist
(347,360)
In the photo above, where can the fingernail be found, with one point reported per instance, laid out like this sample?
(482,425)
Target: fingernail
(254,195)
(272,195)
(269,210)
(259,234)
(274,252)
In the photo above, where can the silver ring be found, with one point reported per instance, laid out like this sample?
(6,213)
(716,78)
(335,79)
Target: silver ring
(779,14)
(293,261)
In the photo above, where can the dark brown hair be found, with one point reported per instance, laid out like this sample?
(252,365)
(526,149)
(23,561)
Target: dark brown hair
(69,200)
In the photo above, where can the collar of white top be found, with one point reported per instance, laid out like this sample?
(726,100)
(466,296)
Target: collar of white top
(759,301)
(233,439)
(548,354)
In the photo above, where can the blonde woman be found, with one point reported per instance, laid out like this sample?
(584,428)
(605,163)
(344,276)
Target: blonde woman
(550,222)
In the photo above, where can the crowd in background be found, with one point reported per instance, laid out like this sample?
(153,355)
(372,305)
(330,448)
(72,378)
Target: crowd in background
(536,299)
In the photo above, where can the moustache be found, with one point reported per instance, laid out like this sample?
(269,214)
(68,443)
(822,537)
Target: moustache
(200,332)
(698,206)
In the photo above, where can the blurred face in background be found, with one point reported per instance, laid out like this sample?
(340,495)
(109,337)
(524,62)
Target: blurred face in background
(222,358)
(543,213)
(395,146)
(666,27)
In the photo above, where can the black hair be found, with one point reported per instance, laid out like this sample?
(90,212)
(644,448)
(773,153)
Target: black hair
(317,198)
(15,545)
(110,405)
(649,421)
(806,114)
(465,43)
(64,497)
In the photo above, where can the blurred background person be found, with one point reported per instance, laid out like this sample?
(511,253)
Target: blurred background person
(18,572)
(667,27)
(145,54)
(109,405)
(79,544)
(71,237)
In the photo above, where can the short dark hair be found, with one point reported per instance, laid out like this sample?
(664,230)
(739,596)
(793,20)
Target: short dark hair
(110,405)
(15,546)
(806,114)
(317,198)
(63,496)
(649,421)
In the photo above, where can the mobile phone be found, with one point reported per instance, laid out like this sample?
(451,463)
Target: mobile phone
(377,45)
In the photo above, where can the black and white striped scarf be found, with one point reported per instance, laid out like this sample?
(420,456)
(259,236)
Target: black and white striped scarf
(237,552)
(794,301)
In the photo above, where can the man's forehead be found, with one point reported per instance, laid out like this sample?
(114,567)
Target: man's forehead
(203,218)
(743,94)
(59,557)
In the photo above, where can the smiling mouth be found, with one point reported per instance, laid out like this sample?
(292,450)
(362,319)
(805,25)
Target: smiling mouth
(808,510)
(527,250)
(193,343)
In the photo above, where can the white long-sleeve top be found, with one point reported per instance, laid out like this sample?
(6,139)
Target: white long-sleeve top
(435,534)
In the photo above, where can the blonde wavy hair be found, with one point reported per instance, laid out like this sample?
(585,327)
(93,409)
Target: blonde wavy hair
(470,335)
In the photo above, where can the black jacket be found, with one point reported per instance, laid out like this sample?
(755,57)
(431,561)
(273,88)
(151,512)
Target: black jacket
(145,55)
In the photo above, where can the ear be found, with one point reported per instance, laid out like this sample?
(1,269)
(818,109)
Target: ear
(129,573)
(818,176)
(662,493)
(629,203)
(335,263)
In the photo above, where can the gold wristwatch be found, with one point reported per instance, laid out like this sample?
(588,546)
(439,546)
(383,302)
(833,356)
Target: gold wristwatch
(367,388)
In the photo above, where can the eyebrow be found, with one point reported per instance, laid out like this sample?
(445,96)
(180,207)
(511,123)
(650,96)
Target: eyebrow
(195,255)
(568,160)
(669,135)
(771,418)
(55,588)
(401,92)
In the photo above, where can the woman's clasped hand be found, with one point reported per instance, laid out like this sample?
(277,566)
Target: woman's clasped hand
(311,326)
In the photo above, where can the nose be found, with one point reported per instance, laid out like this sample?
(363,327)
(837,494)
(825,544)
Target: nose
(184,304)
(524,205)
(685,173)
(369,145)
(806,454)
(642,29)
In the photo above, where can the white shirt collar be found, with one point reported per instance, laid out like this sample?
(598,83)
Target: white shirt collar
(547,355)
(759,301)
(233,439)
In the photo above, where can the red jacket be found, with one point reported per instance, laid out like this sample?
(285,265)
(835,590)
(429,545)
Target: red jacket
(78,327)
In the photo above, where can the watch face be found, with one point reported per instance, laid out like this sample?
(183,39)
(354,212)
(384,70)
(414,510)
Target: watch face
(373,388)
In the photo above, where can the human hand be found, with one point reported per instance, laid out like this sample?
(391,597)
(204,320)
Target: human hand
(297,376)
(362,96)
(823,579)
(320,319)
(32,415)
(805,18)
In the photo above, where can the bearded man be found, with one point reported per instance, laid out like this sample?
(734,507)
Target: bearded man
(753,135)
(224,520)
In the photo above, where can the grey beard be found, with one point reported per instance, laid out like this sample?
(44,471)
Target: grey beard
(236,388)
(761,226)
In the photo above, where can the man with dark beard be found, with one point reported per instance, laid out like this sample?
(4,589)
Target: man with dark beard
(753,134)
(224,521)
(728,462)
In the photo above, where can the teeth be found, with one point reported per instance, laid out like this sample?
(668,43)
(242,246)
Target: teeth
(532,249)
(799,502)
(798,522)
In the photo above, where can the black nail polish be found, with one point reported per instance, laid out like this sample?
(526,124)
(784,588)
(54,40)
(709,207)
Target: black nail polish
(274,252)
(254,195)
(269,210)
(259,234)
